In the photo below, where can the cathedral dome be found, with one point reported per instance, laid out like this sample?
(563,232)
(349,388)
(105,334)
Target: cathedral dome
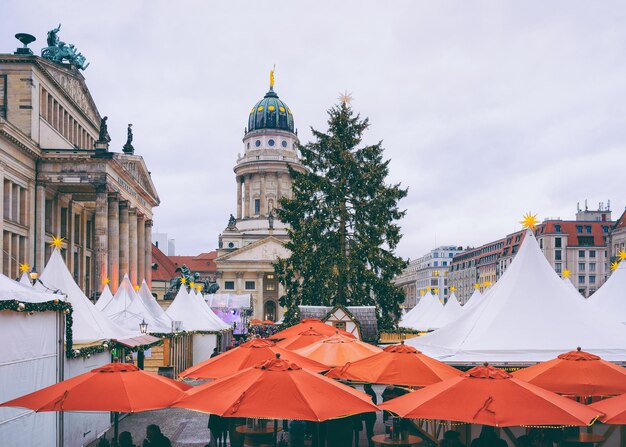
(270,113)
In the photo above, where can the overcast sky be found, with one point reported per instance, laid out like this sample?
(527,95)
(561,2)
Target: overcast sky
(486,109)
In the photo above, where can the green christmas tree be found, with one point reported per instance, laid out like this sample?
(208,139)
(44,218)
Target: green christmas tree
(343,224)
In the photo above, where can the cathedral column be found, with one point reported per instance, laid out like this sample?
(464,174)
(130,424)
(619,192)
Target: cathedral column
(246,210)
(124,247)
(238,282)
(259,304)
(102,236)
(239,199)
(148,262)
(114,241)
(278,189)
(132,245)
(263,210)
(40,232)
(141,248)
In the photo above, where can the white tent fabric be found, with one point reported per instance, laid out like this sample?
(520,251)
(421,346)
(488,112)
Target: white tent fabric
(528,316)
(473,300)
(610,298)
(225,326)
(451,311)
(572,287)
(190,311)
(14,290)
(228,300)
(429,309)
(411,314)
(89,324)
(105,298)
(153,307)
(129,311)
(25,280)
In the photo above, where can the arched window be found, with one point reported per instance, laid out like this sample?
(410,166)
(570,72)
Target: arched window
(270,310)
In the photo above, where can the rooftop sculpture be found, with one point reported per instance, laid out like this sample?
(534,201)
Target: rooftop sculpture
(58,51)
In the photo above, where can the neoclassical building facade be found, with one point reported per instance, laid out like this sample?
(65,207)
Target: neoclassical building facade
(59,180)
(254,239)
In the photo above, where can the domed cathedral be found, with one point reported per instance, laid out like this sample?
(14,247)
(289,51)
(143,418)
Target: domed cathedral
(254,240)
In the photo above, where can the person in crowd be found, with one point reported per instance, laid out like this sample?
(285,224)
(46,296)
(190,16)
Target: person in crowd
(451,438)
(104,442)
(236,438)
(296,433)
(215,353)
(340,432)
(219,429)
(154,437)
(370,418)
(126,439)
(488,438)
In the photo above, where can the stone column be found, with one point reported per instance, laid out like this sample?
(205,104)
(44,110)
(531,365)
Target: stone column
(148,231)
(239,282)
(246,210)
(132,244)
(278,189)
(259,304)
(102,236)
(239,199)
(114,241)
(280,310)
(263,210)
(141,248)
(124,246)
(40,228)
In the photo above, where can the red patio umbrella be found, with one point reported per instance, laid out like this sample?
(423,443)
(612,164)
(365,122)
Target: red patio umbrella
(614,409)
(309,323)
(277,389)
(489,396)
(304,338)
(255,322)
(576,373)
(338,350)
(244,356)
(396,365)
(268,322)
(116,387)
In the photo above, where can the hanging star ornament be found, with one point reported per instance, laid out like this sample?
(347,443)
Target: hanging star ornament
(106,281)
(476,286)
(199,287)
(452,289)
(566,273)
(56,242)
(614,265)
(24,268)
(192,285)
(529,221)
(345,98)
(137,288)
(621,255)
(436,291)
(486,283)
(183,280)
(422,292)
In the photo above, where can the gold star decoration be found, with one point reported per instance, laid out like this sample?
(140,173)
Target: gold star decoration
(486,283)
(106,281)
(529,221)
(183,280)
(199,287)
(452,289)
(436,291)
(614,265)
(24,268)
(192,284)
(566,273)
(422,292)
(428,289)
(137,288)
(345,98)
(476,286)
(622,255)
(56,242)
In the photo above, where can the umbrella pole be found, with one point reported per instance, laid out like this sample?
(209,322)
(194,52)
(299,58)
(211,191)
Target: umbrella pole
(275,432)
(116,421)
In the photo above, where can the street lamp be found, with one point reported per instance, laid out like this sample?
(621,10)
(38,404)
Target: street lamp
(143,327)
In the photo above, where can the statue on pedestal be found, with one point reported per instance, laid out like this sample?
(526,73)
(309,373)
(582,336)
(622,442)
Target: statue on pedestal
(128,147)
(104,137)
(58,51)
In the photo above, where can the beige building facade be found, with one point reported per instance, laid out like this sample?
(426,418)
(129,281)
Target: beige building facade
(56,183)
(254,239)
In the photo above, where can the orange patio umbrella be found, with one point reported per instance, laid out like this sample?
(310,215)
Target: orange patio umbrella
(576,373)
(245,356)
(614,409)
(309,323)
(304,338)
(255,322)
(489,396)
(116,387)
(268,322)
(396,365)
(338,350)
(277,389)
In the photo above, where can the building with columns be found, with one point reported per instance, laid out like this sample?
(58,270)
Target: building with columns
(254,240)
(60,180)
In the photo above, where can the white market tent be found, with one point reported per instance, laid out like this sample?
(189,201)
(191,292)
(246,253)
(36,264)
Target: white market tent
(105,298)
(153,307)
(411,314)
(228,300)
(28,362)
(473,300)
(429,309)
(89,324)
(610,298)
(129,311)
(212,315)
(451,311)
(25,280)
(528,316)
(572,287)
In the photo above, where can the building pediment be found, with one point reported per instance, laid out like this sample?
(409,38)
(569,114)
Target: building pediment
(72,83)
(268,249)
(133,166)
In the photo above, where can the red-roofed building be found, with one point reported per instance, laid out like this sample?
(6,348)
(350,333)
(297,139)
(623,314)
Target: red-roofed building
(618,237)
